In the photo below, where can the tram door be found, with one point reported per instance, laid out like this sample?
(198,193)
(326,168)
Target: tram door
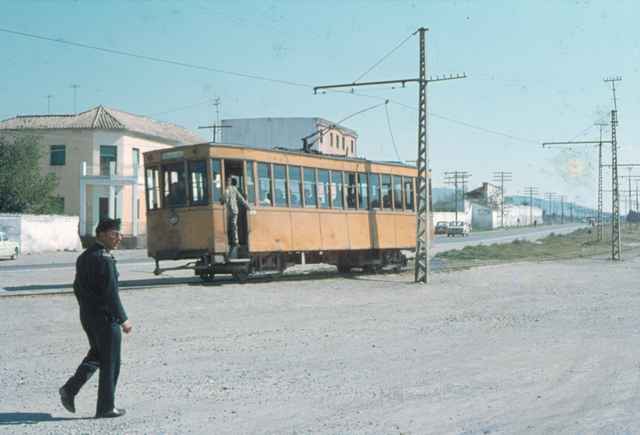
(233,169)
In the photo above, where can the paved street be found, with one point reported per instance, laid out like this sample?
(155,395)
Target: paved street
(53,272)
(527,348)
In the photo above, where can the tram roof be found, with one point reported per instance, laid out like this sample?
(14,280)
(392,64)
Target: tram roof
(298,153)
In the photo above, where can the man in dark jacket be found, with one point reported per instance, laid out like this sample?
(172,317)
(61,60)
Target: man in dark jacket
(102,317)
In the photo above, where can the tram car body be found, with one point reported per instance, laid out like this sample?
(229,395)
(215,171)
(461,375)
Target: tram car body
(305,208)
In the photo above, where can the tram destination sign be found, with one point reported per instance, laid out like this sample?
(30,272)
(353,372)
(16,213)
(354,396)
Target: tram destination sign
(170,155)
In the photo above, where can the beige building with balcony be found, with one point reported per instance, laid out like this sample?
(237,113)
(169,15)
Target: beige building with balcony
(97,158)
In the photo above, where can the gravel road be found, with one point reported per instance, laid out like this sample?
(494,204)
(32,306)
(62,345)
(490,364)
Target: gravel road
(526,348)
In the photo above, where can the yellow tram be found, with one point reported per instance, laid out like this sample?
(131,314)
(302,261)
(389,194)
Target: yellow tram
(305,208)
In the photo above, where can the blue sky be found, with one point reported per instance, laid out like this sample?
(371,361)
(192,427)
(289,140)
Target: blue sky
(535,71)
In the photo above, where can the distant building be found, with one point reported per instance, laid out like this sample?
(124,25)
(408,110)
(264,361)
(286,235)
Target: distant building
(486,210)
(325,136)
(97,158)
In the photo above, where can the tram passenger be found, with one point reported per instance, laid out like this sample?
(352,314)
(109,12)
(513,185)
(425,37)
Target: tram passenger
(232,197)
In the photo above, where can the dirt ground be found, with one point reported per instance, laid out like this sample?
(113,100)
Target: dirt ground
(527,348)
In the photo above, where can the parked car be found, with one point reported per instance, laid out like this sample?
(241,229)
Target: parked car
(458,228)
(442,227)
(8,248)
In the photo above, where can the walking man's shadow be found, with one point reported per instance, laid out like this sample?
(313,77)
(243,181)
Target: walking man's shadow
(8,418)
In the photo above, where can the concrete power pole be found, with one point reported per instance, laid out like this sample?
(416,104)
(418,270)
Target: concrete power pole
(423,215)
(550,196)
(501,177)
(531,190)
(457,178)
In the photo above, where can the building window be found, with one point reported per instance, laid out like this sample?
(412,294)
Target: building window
(336,189)
(108,154)
(363,192)
(57,156)
(342,143)
(386,191)
(135,160)
(280,181)
(216,180)
(251,184)
(353,147)
(310,194)
(295,186)
(175,187)
(198,193)
(323,188)
(331,135)
(264,184)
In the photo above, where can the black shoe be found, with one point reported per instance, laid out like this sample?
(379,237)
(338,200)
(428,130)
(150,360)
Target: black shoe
(115,412)
(67,400)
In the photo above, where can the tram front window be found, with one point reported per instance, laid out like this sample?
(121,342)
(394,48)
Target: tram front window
(198,194)
(175,187)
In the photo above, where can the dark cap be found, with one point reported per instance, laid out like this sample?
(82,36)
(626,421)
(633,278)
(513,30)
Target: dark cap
(108,225)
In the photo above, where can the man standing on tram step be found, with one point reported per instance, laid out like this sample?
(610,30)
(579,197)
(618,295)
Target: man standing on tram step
(102,317)
(231,197)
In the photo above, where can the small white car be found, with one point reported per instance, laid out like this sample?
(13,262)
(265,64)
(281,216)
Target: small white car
(8,248)
(458,228)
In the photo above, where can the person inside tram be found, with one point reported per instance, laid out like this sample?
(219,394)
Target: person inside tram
(176,195)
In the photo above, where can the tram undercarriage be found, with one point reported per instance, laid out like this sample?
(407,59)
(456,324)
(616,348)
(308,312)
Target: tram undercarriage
(242,265)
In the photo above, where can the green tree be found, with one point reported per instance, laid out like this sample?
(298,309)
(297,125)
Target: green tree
(23,189)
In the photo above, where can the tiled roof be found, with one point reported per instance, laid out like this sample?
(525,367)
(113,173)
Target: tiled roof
(103,118)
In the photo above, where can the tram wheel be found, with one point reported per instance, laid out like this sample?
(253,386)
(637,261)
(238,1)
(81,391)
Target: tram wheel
(343,268)
(207,277)
(241,276)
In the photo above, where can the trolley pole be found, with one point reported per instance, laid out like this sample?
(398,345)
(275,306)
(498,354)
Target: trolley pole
(423,215)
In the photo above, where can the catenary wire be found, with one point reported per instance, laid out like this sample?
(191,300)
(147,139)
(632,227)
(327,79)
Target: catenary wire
(384,57)
(393,140)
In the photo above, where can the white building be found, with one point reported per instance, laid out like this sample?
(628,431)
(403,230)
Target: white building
(97,159)
(324,136)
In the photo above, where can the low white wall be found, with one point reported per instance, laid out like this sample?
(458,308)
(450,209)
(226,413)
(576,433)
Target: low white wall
(42,233)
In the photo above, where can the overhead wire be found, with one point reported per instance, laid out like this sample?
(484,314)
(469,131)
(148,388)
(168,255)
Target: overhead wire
(384,57)
(393,140)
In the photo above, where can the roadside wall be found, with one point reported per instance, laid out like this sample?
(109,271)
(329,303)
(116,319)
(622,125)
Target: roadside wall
(448,216)
(42,233)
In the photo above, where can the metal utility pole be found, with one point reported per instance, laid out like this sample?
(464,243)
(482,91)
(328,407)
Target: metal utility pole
(456,178)
(562,197)
(423,215)
(216,124)
(615,209)
(531,190)
(75,97)
(600,227)
(550,196)
(501,177)
(49,97)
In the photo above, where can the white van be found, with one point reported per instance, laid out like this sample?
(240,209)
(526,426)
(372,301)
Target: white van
(8,248)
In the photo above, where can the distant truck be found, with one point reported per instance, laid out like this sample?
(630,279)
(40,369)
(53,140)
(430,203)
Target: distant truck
(8,248)
(442,228)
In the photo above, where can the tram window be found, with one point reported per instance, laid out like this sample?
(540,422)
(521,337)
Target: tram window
(216,180)
(175,187)
(374,185)
(280,181)
(323,188)
(351,190)
(363,192)
(336,189)
(251,184)
(198,194)
(386,191)
(264,183)
(408,191)
(153,188)
(295,186)
(397,192)
(310,195)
